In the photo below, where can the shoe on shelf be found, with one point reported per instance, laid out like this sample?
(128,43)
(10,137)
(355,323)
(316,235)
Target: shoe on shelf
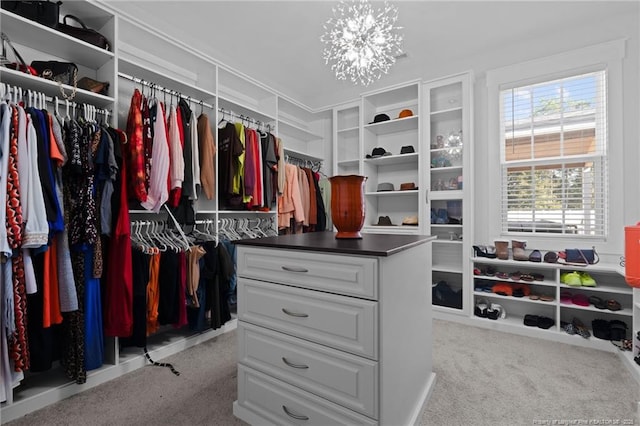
(551,257)
(571,278)
(598,302)
(481,308)
(518,250)
(535,256)
(581,329)
(586,280)
(502,249)
(613,305)
(484,251)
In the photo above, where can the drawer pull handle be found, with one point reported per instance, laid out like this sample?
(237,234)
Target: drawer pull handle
(294,269)
(294,314)
(295,416)
(290,364)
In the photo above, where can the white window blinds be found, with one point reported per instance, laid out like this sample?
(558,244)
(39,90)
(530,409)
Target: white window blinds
(554,156)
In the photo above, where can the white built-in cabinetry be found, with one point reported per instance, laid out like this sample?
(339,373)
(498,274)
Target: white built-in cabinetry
(448,137)
(396,168)
(147,54)
(610,285)
(347,151)
(318,325)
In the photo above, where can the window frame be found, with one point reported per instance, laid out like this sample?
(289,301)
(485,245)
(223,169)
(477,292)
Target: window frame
(605,56)
(600,128)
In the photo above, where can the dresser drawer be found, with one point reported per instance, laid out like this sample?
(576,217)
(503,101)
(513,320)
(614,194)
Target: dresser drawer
(283,404)
(345,379)
(344,323)
(349,275)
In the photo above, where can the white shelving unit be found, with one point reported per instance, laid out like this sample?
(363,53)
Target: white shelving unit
(397,168)
(610,285)
(448,137)
(347,150)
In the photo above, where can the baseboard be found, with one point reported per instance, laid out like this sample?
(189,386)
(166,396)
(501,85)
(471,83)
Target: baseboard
(511,326)
(426,396)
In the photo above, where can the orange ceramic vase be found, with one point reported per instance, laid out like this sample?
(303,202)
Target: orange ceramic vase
(347,205)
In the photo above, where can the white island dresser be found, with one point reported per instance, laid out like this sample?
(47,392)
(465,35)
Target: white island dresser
(334,332)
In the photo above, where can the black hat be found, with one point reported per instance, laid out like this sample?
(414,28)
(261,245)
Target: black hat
(408,149)
(379,118)
(378,152)
(383,221)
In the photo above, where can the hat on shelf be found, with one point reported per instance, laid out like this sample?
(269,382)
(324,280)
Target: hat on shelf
(385,186)
(408,186)
(407,149)
(410,220)
(383,221)
(405,113)
(380,118)
(378,152)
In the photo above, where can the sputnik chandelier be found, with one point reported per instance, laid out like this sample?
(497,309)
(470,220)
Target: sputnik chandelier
(361,43)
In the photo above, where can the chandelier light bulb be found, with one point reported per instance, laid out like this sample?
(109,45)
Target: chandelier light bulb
(361,43)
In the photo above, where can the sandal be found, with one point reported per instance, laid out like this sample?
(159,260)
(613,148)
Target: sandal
(515,275)
(534,297)
(545,322)
(527,277)
(547,298)
(568,327)
(490,271)
(531,320)
(502,275)
(537,276)
(580,328)
(597,302)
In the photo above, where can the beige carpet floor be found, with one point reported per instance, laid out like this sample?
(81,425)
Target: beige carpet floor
(484,377)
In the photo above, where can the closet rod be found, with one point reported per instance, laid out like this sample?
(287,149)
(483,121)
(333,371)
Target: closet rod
(303,162)
(153,85)
(7,88)
(243,117)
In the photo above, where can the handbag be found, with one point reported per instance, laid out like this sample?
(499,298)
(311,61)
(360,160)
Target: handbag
(95,86)
(581,256)
(44,12)
(60,72)
(83,32)
(20,65)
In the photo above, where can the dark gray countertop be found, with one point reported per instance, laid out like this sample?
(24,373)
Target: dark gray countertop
(369,245)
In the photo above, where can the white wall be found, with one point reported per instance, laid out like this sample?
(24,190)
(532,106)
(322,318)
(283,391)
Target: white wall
(547,43)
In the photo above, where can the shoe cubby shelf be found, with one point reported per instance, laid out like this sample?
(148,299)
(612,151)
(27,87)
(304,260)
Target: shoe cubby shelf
(610,286)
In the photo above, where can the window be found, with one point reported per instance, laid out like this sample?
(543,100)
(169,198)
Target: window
(554,156)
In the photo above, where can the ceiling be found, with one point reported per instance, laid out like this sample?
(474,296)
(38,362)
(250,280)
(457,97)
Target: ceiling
(278,42)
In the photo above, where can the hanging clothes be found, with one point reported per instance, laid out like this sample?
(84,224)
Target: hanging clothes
(207,156)
(229,150)
(135,153)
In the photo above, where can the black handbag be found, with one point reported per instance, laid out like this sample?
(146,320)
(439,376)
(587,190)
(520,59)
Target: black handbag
(44,12)
(586,256)
(61,72)
(83,33)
